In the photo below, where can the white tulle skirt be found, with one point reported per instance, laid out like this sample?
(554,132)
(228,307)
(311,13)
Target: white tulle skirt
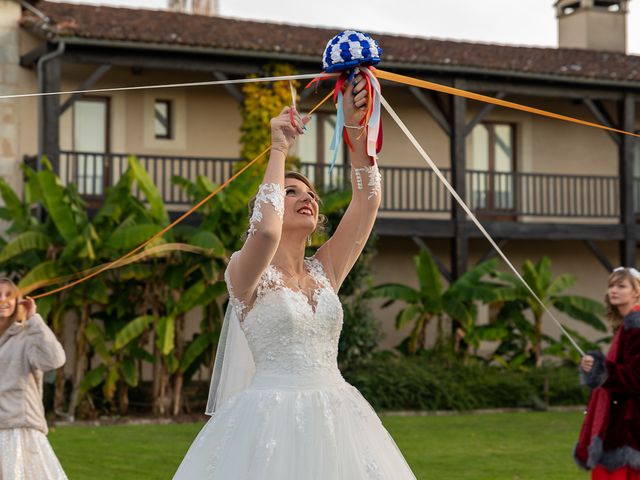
(26,454)
(284,428)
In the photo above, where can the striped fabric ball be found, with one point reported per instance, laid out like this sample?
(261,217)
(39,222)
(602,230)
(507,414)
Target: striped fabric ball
(349,49)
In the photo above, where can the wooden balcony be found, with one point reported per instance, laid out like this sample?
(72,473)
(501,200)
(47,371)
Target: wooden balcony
(414,202)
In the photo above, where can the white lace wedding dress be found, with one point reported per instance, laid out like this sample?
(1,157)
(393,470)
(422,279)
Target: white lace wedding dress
(298,419)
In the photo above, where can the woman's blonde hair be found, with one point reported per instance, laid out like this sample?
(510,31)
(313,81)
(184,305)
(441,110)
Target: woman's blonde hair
(18,314)
(322,219)
(613,315)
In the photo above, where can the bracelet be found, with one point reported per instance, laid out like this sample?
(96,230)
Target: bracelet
(355,127)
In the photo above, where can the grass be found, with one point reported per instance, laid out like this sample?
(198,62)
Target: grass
(509,446)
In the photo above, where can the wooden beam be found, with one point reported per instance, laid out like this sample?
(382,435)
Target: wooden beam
(601,115)
(599,254)
(459,243)
(432,108)
(409,227)
(232,90)
(167,61)
(486,110)
(51,115)
(627,215)
(491,252)
(444,271)
(97,74)
(547,231)
(29,59)
(426,228)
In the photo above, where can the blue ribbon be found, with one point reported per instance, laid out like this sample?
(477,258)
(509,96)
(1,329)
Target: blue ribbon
(337,134)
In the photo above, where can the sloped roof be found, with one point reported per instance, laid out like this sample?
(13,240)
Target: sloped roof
(171,28)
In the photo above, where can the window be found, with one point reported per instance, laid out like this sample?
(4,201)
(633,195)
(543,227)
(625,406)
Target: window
(91,141)
(492,162)
(315,153)
(163,119)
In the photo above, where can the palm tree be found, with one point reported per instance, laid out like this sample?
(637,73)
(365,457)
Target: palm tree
(430,300)
(525,336)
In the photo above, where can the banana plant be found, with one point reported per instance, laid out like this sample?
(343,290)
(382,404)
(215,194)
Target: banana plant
(432,301)
(522,315)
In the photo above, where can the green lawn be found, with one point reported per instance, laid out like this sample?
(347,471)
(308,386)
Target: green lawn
(511,446)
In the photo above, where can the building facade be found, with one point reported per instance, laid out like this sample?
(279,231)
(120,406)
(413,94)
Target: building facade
(542,187)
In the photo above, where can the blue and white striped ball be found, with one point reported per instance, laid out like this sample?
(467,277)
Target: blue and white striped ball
(349,49)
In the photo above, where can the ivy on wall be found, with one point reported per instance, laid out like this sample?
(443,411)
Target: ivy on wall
(263,101)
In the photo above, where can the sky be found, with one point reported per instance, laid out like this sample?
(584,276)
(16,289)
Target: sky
(516,22)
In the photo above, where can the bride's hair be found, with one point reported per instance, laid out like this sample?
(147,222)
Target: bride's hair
(322,219)
(18,313)
(613,315)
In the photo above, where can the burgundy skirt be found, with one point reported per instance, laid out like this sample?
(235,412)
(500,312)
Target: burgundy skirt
(624,473)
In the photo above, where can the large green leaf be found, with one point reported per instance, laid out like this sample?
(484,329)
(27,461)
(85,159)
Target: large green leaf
(111,383)
(561,283)
(58,205)
(131,237)
(189,298)
(407,315)
(129,372)
(151,193)
(93,378)
(194,349)
(394,291)
(43,271)
(117,199)
(132,330)
(14,210)
(584,309)
(208,240)
(428,274)
(96,338)
(24,242)
(165,334)
(135,272)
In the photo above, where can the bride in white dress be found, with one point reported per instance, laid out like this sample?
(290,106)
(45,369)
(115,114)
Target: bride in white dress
(281,409)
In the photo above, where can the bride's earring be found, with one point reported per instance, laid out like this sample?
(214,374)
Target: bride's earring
(309,241)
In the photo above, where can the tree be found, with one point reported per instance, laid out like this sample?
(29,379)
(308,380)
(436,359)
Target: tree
(431,301)
(523,337)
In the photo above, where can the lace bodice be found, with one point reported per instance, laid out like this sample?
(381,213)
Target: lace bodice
(288,332)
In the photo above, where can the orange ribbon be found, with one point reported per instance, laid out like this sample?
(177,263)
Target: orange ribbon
(394,77)
(97,271)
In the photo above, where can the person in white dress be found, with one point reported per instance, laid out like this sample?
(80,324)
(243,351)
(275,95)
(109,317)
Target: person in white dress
(27,349)
(281,409)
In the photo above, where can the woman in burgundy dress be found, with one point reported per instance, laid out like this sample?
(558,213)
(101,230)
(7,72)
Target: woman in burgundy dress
(609,442)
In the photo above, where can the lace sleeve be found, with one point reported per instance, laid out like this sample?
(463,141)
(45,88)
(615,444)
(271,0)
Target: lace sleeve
(272,193)
(374,180)
(234,303)
(342,250)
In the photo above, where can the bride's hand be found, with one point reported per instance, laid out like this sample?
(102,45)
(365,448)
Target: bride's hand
(355,100)
(285,128)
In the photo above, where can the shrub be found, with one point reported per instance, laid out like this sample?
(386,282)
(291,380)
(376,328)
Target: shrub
(390,382)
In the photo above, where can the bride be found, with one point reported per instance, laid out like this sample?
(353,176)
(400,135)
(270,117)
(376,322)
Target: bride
(281,409)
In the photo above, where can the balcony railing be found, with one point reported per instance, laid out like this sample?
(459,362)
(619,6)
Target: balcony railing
(405,189)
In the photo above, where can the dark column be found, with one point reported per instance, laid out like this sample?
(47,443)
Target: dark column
(627,215)
(51,113)
(460,241)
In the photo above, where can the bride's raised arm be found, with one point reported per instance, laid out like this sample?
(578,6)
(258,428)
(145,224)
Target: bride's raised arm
(267,211)
(341,251)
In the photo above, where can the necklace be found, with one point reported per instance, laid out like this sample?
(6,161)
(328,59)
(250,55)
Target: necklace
(293,277)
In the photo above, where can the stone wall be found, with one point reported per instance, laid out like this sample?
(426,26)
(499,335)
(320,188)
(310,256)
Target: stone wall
(9,84)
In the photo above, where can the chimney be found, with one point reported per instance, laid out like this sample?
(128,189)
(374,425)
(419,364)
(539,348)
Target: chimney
(593,24)
(197,7)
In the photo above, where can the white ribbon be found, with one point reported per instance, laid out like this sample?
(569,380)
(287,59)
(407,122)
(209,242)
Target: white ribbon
(468,211)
